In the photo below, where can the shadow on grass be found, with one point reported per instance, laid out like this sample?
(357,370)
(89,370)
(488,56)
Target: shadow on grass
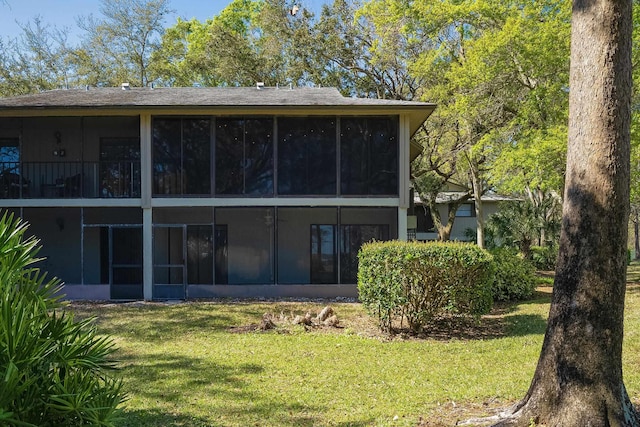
(151,322)
(193,391)
(157,418)
(520,325)
(489,327)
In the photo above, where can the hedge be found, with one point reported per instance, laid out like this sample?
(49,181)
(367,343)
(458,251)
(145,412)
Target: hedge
(514,277)
(416,281)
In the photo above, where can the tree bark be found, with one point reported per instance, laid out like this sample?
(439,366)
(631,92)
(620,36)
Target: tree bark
(636,234)
(578,380)
(477,194)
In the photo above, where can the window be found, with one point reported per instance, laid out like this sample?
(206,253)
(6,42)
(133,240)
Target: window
(221,255)
(304,250)
(465,210)
(115,257)
(168,255)
(244,156)
(12,183)
(119,167)
(369,156)
(323,254)
(126,255)
(9,153)
(307,156)
(181,156)
(199,255)
(244,246)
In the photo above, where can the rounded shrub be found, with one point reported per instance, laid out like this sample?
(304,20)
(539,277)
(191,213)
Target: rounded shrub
(544,257)
(415,281)
(513,278)
(54,371)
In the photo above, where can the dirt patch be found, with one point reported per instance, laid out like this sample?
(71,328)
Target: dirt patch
(325,319)
(443,328)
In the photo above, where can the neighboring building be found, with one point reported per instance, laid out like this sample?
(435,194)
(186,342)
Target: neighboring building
(206,192)
(465,215)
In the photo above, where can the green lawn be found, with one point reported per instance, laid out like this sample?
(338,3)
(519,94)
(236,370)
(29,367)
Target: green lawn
(183,366)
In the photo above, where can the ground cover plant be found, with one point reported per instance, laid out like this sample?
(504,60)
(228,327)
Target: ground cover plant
(187,365)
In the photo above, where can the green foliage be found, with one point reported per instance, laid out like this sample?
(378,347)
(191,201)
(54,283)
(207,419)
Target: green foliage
(118,46)
(498,72)
(523,224)
(544,257)
(418,281)
(514,277)
(53,370)
(247,42)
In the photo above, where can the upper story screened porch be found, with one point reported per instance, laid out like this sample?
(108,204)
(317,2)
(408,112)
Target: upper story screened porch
(200,156)
(281,156)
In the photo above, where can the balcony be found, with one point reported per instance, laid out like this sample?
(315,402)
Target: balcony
(55,180)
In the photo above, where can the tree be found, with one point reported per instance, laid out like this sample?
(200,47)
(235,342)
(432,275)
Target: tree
(578,380)
(497,70)
(429,184)
(118,47)
(522,224)
(249,41)
(635,133)
(39,59)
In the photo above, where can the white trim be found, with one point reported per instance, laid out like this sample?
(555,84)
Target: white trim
(249,202)
(402,224)
(147,253)
(200,202)
(146,167)
(70,203)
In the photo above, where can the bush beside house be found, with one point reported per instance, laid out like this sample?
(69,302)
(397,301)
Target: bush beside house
(415,281)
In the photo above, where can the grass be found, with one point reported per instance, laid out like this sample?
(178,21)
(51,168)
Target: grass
(183,365)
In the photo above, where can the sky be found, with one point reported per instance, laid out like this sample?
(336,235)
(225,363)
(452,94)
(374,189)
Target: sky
(63,13)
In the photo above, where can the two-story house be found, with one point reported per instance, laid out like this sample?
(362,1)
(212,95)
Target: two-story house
(173,193)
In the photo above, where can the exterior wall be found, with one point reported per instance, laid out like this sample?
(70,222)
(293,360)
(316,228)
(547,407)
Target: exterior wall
(59,232)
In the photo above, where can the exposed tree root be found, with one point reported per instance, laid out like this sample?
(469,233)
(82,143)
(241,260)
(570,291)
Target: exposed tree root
(506,416)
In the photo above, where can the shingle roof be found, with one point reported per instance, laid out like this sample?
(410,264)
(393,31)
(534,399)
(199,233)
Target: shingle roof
(257,100)
(197,97)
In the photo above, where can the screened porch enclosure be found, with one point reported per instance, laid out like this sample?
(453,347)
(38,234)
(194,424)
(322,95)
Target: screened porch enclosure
(326,156)
(195,251)
(205,247)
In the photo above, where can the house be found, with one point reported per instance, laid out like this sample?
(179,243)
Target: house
(465,219)
(172,193)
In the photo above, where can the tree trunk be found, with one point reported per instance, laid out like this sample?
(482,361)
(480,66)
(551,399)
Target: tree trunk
(636,234)
(578,380)
(477,194)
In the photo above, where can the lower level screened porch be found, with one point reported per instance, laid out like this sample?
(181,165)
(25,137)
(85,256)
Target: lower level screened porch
(207,252)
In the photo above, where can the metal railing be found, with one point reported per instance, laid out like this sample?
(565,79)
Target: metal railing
(53,180)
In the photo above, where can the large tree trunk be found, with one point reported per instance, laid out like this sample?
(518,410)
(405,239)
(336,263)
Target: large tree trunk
(578,380)
(636,233)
